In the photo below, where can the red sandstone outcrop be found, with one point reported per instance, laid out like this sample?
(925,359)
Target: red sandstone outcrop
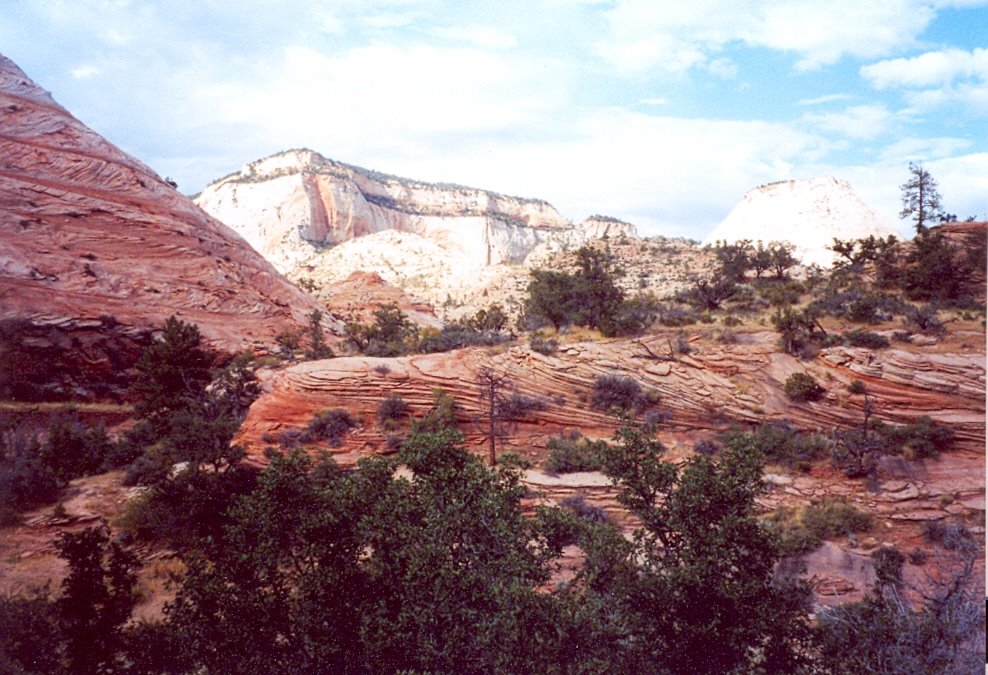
(361,293)
(714,386)
(96,250)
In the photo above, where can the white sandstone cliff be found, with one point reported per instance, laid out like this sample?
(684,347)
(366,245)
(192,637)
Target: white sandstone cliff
(295,204)
(807,213)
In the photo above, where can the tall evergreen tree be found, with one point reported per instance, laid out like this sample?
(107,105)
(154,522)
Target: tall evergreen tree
(920,198)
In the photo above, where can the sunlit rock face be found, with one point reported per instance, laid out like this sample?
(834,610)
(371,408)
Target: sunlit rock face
(96,250)
(294,204)
(807,213)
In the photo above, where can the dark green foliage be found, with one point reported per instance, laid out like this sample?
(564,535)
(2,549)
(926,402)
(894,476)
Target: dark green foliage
(801,387)
(572,453)
(857,387)
(890,632)
(97,598)
(623,393)
(804,529)
(935,270)
(492,318)
(553,297)
(318,349)
(32,470)
(392,411)
(781,295)
(951,536)
(542,344)
(781,259)
(922,439)
(434,573)
(781,444)
(700,556)
(798,329)
(515,406)
(30,638)
(25,480)
(925,320)
(329,426)
(171,373)
(589,297)
(390,334)
(457,335)
(735,259)
(584,510)
(709,294)
(920,198)
(867,340)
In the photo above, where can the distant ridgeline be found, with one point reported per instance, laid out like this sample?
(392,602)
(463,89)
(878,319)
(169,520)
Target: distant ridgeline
(289,204)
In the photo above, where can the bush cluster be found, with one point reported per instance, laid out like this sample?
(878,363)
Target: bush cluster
(867,339)
(801,387)
(572,453)
(623,393)
(329,426)
(803,529)
(782,444)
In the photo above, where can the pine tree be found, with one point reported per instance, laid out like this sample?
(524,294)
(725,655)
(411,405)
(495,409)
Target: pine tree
(920,198)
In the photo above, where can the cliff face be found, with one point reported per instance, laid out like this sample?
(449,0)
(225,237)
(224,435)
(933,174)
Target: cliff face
(290,205)
(96,250)
(807,213)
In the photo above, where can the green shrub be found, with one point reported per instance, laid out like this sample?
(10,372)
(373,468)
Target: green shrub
(572,453)
(617,391)
(802,387)
(391,411)
(867,340)
(584,510)
(857,387)
(922,439)
(782,444)
(952,536)
(804,529)
(542,344)
(330,426)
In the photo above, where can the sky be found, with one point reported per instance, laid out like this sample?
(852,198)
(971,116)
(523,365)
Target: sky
(659,112)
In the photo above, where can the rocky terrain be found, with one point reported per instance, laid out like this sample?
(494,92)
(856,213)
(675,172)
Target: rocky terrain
(96,250)
(807,213)
(713,387)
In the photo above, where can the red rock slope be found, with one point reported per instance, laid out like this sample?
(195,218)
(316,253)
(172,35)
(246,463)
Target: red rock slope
(86,231)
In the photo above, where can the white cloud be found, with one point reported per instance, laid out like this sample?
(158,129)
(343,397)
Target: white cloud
(484,37)
(930,69)
(820,100)
(859,122)
(675,37)
(85,71)
(935,79)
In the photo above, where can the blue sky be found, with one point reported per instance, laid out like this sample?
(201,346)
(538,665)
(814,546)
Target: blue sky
(662,113)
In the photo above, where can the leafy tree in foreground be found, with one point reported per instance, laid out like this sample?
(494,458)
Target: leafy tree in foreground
(697,591)
(97,598)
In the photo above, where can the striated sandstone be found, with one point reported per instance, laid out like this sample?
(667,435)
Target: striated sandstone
(96,250)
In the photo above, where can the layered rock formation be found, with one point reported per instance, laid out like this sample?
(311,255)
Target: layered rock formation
(807,213)
(291,206)
(96,250)
(712,388)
